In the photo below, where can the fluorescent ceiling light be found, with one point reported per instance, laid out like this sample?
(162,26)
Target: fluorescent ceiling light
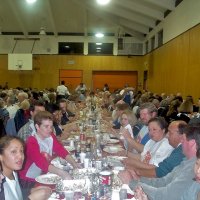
(67,47)
(31,1)
(99,35)
(103,2)
(98,48)
(98,51)
(42,31)
(98,43)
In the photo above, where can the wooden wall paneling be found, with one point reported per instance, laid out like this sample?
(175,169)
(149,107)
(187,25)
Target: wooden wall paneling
(46,69)
(168,66)
(193,72)
(115,79)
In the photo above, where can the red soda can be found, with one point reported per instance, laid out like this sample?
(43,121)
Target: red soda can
(82,136)
(106,177)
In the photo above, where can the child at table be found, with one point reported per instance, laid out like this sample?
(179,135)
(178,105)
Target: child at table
(127,120)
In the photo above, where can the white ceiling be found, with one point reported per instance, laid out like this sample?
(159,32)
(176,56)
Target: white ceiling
(134,17)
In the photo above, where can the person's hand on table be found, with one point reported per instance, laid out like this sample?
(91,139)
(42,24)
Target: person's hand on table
(125,176)
(63,174)
(126,161)
(125,133)
(40,193)
(77,166)
(134,174)
(139,193)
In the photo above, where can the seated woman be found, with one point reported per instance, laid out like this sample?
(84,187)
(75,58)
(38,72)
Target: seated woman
(40,149)
(155,150)
(11,160)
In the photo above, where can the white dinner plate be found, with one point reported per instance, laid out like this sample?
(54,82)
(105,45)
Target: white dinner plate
(112,149)
(112,141)
(48,179)
(120,158)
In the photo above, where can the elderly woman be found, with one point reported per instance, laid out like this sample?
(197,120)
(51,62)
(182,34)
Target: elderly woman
(155,150)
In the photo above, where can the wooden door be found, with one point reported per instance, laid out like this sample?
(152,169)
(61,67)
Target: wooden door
(115,79)
(72,78)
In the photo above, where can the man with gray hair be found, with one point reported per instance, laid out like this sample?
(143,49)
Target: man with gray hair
(147,112)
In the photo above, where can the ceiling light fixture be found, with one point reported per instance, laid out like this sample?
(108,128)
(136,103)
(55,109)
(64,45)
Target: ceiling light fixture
(103,2)
(99,35)
(98,48)
(31,1)
(42,31)
(98,43)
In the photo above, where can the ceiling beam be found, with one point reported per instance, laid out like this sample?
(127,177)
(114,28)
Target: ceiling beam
(19,18)
(166,4)
(111,19)
(134,26)
(136,7)
(134,33)
(51,17)
(130,16)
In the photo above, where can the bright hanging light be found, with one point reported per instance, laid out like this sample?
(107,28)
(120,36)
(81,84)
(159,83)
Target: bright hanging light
(98,48)
(99,35)
(98,43)
(103,2)
(31,1)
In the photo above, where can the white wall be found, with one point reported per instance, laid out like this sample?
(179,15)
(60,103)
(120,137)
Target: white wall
(46,44)
(184,17)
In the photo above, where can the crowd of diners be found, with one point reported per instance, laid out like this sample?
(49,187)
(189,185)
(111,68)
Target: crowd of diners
(160,132)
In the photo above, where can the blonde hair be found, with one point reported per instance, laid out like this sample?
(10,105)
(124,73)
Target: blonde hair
(131,117)
(186,106)
(25,105)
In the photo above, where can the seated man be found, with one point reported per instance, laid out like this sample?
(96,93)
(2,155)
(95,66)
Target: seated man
(41,148)
(29,129)
(147,112)
(66,114)
(176,182)
(175,136)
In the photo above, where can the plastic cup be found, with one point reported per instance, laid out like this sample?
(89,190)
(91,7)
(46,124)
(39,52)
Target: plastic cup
(82,156)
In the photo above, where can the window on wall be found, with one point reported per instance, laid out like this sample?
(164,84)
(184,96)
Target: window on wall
(100,48)
(160,38)
(147,46)
(70,47)
(153,43)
